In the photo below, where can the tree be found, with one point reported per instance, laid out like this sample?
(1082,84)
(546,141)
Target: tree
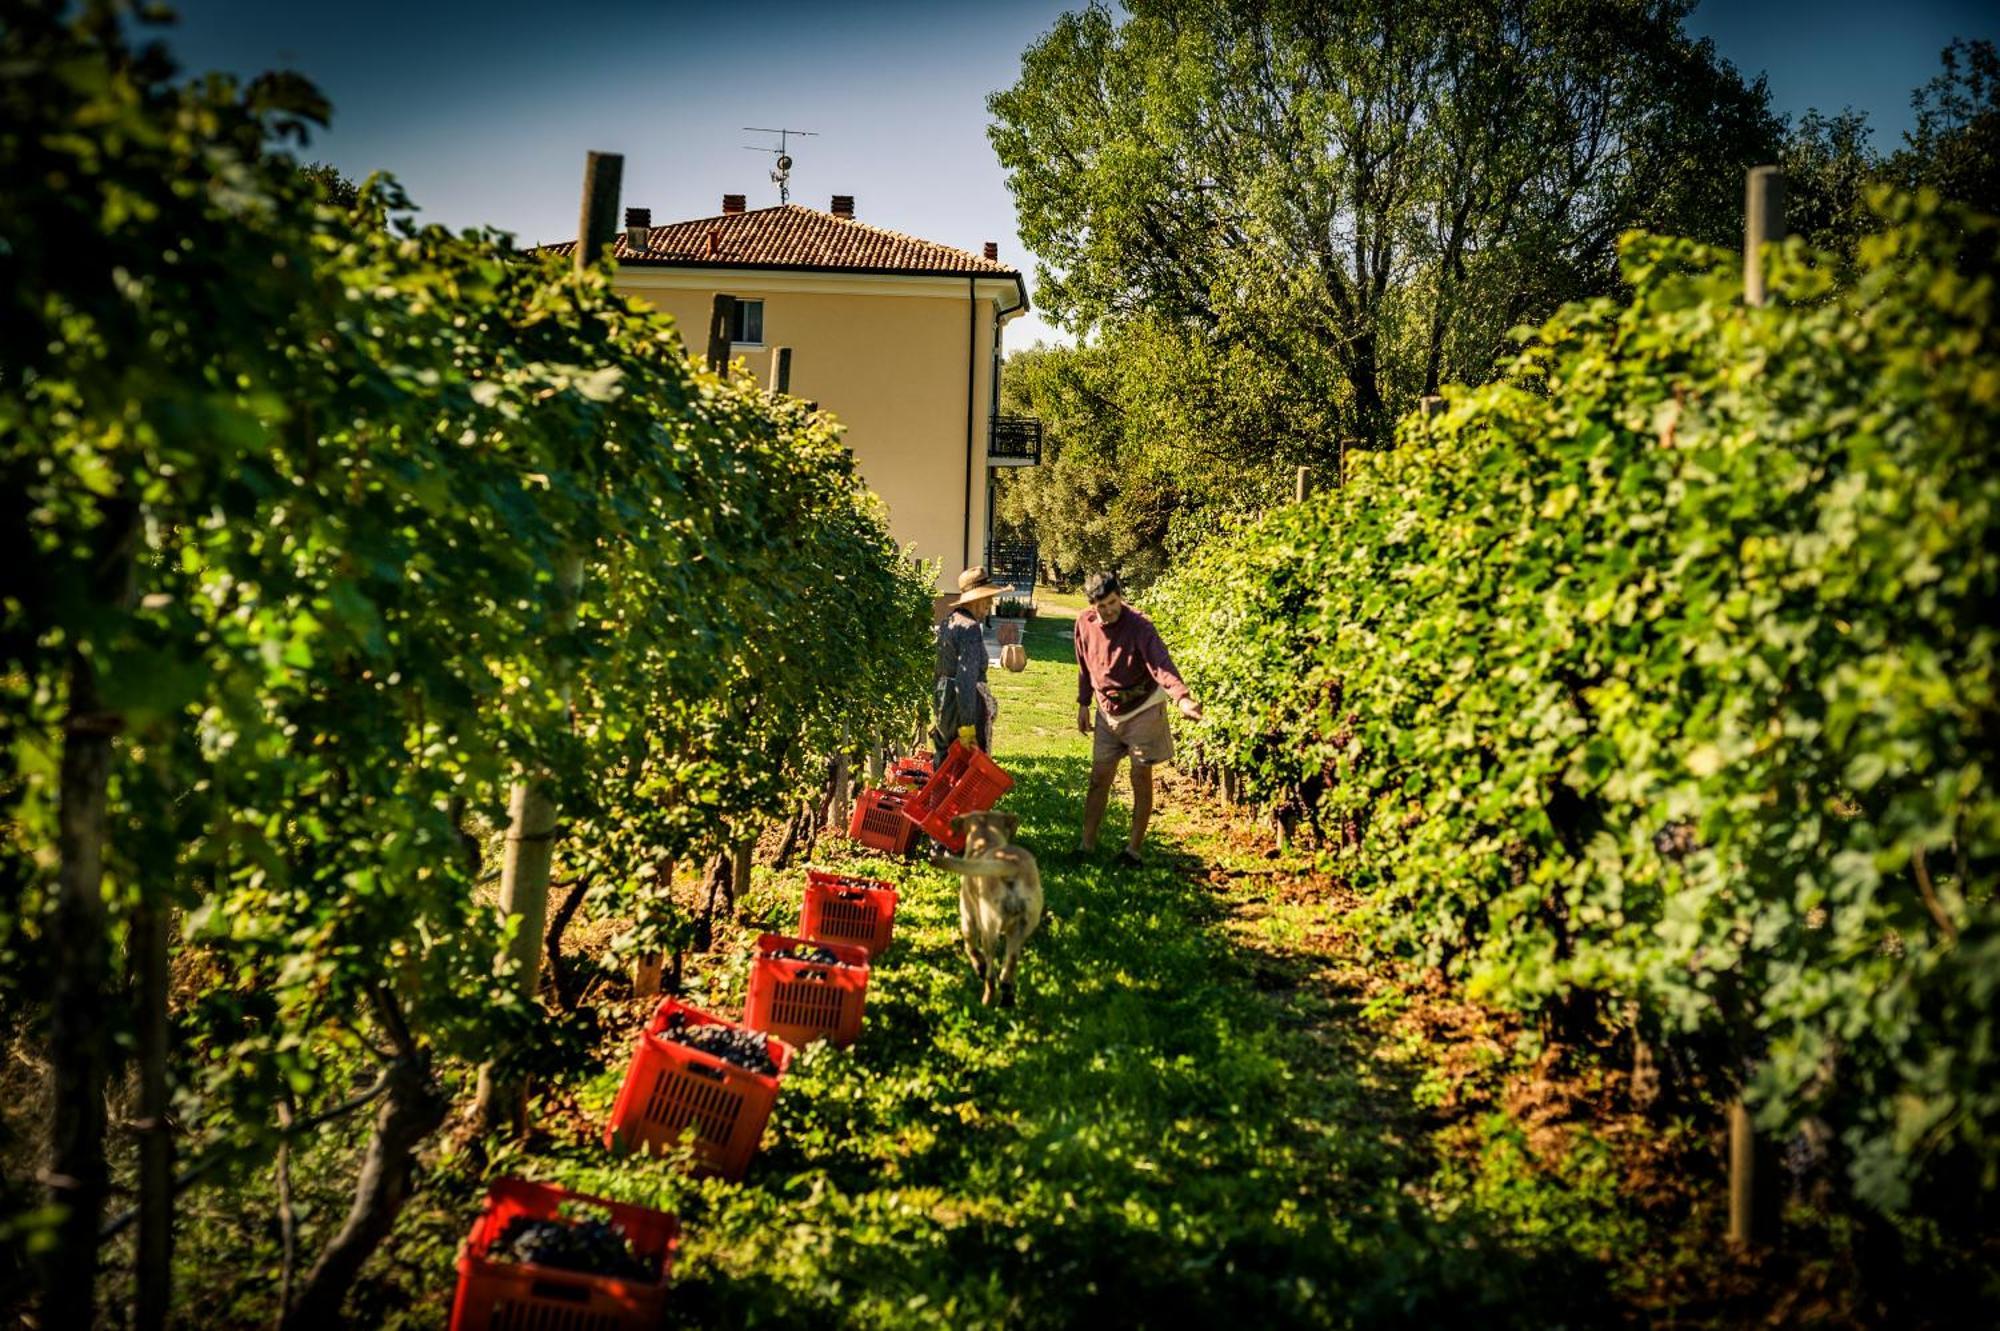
(1955,147)
(332,187)
(1829,168)
(1132,474)
(1362,197)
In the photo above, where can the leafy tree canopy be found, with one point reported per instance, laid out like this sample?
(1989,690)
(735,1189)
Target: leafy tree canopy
(1360,198)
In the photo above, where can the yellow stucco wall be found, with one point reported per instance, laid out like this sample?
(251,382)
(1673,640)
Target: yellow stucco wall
(892,369)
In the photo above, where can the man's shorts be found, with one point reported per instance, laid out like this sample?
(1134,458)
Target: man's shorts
(1148,737)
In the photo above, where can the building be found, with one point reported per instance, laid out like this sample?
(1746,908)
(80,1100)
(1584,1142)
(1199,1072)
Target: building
(899,338)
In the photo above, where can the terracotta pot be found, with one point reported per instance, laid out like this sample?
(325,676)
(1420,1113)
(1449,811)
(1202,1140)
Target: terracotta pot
(1014,657)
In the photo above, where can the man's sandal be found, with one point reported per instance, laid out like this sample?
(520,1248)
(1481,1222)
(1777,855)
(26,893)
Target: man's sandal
(1130,859)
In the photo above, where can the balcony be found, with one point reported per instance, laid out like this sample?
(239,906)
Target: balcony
(1016,441)
(1013,565)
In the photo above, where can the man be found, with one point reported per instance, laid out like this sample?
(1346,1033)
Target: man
(961,666)
(1123,665)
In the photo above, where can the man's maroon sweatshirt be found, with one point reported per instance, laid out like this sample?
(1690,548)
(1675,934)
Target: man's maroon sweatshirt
(1115,660)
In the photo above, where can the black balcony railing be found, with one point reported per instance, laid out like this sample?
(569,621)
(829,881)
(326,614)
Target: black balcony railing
(1016,442)
(1013,564)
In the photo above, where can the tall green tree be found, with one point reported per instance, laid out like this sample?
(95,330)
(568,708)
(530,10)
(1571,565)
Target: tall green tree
(1137,457)
(1831,165)
(1362,197)
(1955,146)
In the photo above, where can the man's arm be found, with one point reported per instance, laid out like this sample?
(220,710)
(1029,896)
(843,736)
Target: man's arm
(1161,665)
(1082,682)
(1082,670)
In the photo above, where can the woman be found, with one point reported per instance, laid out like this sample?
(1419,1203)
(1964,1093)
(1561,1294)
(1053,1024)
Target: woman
(961,666)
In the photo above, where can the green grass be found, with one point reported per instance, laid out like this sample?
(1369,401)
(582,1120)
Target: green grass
(1173,1127)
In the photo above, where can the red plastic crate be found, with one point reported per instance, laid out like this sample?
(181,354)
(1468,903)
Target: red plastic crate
(878,822)
(803,1001)
(911,772)
(938,784)
(495,1295)
(673,1088)
(969,782)
(842,909)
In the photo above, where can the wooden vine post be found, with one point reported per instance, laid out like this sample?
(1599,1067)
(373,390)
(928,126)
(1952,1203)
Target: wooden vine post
(531,830)
(151,938)
(836,804)
(721,326)
(1763,223)
(648,968)
(1303,486)
(744,856)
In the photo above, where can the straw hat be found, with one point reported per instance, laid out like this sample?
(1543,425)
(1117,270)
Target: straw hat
(973,585)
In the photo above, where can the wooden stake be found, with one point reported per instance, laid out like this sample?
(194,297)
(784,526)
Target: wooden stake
(781,370)
(836,819)
(1763,223)
(152,962)
(524,869)
(1742,1174)
(648,967)
(721,323)
(1304,485)
(78,1052)
(598,225)
(739,877)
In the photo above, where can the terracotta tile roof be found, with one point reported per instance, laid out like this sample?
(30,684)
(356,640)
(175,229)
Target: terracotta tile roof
(792,236)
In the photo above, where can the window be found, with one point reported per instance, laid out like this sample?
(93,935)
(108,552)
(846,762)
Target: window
(749,324)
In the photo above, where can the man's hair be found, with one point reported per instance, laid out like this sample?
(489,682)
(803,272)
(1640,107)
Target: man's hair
(1100,585)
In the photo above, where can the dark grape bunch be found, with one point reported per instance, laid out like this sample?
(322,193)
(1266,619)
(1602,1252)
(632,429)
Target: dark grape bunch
(593,1247)
(819,956)
(731,1044)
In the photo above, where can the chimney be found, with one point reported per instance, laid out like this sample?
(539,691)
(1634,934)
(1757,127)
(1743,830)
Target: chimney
(993,250)
(638,227)
(732,203)
(843,206)
(714,241)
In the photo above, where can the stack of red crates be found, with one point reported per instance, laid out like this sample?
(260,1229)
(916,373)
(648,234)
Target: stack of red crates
(674,1088)
(860,912)
(968,782)
(803,1001)
(496,1295)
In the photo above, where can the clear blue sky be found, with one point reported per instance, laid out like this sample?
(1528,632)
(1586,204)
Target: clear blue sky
(484,111)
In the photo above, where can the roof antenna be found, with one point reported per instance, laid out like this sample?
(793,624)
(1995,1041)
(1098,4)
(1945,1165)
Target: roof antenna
(781,176)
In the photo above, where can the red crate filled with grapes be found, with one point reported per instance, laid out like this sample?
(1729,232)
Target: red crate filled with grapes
(542,1256)
(801,991)
(698,1077)
(840,908)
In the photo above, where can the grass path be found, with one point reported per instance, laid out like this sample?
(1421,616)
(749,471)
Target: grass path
(1196,1116)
